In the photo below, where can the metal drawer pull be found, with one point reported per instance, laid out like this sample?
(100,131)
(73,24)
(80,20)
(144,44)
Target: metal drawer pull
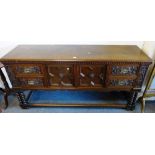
(122,83)
(31,82)
(125,71)
(27,70)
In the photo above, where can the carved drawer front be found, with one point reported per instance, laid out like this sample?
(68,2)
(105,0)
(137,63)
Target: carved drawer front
(30,82)
(61,75)
(142,73)
(121,82)
(123,70)
(91,75)
(28,69)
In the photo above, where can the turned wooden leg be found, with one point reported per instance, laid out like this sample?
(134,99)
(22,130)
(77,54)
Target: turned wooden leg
(143,105)
(132,100)
(6,99)
(5,96)
(22,101)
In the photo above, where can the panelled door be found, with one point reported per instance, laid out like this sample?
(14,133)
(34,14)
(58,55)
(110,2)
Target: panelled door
(92,75)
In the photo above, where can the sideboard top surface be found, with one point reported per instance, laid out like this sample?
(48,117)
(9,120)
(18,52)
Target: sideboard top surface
(76,53)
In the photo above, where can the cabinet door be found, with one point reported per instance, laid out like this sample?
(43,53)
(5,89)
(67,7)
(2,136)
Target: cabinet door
(61,75)
(92,76)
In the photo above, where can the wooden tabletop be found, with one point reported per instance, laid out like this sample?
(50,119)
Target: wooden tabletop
(76,53)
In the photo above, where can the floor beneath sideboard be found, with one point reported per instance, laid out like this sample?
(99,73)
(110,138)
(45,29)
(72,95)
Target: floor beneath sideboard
(14,104)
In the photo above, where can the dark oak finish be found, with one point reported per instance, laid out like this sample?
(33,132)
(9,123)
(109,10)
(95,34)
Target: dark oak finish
(76,53)
(77,67)
(61,75)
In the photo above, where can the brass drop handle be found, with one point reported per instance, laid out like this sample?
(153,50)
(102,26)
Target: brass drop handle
(122,83)
(27,70)
(31,82)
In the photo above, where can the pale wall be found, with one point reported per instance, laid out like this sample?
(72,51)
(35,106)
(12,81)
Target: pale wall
(149,48)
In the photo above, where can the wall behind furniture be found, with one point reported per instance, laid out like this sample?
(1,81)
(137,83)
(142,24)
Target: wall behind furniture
(5,47)
(149,48)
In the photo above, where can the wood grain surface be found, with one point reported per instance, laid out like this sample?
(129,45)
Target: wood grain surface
(76,53)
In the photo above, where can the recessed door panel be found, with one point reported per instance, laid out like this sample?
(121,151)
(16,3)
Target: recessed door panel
(61,75)
(92,76)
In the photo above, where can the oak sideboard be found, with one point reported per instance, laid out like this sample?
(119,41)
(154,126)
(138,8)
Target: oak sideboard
(77,67)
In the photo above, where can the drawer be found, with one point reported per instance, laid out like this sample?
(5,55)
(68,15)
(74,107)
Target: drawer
(61,75)
(30,82)
(120,82)
(123,70)
(92,76)
(28,69)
